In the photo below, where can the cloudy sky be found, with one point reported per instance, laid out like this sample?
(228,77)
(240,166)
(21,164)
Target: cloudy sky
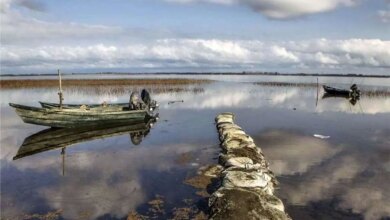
(327,36)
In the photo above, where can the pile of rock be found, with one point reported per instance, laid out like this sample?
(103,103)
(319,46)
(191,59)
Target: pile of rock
(247,184)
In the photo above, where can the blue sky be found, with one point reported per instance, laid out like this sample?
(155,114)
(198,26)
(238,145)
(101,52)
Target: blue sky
(195,35)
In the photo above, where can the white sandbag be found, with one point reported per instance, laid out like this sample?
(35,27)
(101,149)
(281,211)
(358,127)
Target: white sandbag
(225,120)
(240,162)
(251,145)
(232,144)
(222,117)
(275,203)
(252,179)
(226,125)
(225,114)
(238,136)
(231,131)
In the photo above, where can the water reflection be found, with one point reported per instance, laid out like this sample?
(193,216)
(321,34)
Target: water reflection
(345,176)
(54,138)
(318,173)
(352,100)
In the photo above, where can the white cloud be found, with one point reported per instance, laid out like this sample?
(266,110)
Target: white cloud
(19,29)
(33,5)
(384,16)
(225,2)
(203,53)
(325,59)
(30,45)
(282,9)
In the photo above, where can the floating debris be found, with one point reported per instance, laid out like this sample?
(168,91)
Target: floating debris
(321,136)
(173,102)
(247,183)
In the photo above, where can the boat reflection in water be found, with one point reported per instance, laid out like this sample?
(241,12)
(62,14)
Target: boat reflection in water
(352,100)
(55,138)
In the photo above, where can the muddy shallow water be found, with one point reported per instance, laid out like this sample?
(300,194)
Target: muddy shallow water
(345,176)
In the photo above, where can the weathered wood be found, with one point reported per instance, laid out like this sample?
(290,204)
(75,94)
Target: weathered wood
(60,95)
(56,117)
(77,106)
(152,105)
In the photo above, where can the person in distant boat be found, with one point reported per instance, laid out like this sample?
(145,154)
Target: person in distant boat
(354,91)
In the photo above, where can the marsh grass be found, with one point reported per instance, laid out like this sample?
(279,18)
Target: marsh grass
(364,91)
(285,84)
(83,83)
(123,90)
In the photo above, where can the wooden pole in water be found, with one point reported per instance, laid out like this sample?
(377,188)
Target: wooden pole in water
(60,92)
(63,160)
(317,93)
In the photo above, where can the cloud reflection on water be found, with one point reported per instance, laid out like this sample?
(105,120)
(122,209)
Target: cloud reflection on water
(108,176)
(316,171)
(101,181)
(220,95)
(295,153)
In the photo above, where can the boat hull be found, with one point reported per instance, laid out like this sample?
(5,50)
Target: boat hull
(56,117)
(76,106)
(335,91)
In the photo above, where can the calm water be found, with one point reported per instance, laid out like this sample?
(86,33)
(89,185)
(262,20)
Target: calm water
(343,177)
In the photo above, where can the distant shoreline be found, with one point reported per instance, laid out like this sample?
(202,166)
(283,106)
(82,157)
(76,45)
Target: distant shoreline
(212,73)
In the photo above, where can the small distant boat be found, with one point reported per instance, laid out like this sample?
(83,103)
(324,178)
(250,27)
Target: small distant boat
(335,91)
(55,138)
(65,118)
(353,93)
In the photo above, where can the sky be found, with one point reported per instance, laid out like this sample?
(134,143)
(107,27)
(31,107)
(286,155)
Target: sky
(327,36)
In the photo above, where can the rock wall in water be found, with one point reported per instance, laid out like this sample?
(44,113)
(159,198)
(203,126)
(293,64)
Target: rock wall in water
(247,183)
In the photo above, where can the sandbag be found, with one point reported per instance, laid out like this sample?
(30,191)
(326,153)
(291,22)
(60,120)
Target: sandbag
(252,179)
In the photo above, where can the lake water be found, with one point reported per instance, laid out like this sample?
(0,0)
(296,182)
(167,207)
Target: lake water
(345,176)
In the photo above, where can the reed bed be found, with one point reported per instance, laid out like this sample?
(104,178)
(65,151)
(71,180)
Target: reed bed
(285,84)
(364,91)
(47,83)
(376,93)
(123,90)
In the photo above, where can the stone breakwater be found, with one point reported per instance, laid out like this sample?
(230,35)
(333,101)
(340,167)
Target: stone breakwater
(247,184)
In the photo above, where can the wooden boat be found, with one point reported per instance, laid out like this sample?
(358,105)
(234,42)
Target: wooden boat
(54,138)
(328,95)
(56,117)
(77,106)
(335,91)
(80,115)
(353,93)
(152,106)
